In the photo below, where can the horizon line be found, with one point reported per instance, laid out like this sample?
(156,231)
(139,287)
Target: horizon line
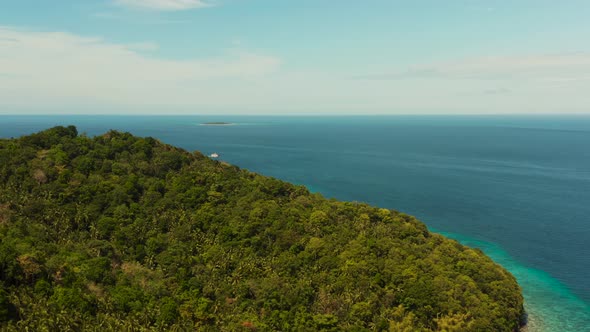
(296,114)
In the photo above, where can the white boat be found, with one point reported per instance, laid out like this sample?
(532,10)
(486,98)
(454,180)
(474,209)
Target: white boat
(214,155)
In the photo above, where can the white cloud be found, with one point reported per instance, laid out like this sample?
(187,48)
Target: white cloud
(166,5)
(151,20)
(62,72)
(523,67)
(55,68)
(537,67)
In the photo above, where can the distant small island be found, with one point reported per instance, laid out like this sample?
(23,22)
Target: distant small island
(217,124)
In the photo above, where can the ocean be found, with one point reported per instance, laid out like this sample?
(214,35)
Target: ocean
(518,187)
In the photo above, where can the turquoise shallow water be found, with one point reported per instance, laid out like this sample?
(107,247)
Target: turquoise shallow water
(517,187)
(551,306)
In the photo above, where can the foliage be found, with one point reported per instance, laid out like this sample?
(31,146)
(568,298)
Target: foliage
(118,232)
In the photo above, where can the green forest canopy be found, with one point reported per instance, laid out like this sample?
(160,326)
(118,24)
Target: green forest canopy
(120,232)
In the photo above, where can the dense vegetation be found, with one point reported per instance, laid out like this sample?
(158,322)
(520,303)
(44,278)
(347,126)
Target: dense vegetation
(119,232)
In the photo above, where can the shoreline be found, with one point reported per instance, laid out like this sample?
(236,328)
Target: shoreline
(549,304)
(543,294)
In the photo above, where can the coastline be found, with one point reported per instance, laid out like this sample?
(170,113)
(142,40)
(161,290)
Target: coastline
(539,289)
(549,305)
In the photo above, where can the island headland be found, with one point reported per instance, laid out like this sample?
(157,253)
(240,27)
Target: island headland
(122,232)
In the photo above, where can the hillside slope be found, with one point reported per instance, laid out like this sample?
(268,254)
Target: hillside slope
(119,232)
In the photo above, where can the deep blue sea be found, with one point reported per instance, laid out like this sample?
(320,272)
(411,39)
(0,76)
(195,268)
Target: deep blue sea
(516,186)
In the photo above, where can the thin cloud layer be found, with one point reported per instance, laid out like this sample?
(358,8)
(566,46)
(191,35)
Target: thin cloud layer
(539,67)
(61,71)
(165,5)
(56,67)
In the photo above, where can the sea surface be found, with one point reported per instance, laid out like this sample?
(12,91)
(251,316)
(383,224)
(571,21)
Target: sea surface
(517,187)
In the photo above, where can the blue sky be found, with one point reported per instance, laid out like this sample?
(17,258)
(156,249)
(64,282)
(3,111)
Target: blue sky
(294,57)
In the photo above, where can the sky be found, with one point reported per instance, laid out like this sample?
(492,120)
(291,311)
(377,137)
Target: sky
(285,57)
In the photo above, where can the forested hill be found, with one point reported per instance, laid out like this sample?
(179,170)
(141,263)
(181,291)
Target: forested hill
(118,232)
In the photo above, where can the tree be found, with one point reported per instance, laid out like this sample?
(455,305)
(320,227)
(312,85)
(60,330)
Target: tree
(118,232)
